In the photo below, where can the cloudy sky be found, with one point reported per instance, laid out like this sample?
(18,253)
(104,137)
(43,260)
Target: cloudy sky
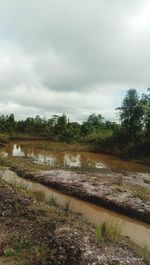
(74,57)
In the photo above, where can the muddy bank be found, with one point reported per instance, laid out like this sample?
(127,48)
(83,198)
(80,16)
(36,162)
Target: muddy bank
(36,233)
(121,192)
(3,142)
(28,138)
(90,212)
(8,139)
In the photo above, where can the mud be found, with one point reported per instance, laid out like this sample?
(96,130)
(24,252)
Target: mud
(109,190)
(47,235)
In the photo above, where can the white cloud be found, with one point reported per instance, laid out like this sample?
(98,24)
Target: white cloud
(75,57)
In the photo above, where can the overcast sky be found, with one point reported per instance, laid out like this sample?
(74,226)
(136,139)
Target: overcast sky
(74,57)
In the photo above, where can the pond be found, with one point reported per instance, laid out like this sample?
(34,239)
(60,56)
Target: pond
(45,152)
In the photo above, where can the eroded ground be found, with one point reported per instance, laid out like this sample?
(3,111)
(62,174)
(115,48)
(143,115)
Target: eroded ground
(37,233)
(122,191)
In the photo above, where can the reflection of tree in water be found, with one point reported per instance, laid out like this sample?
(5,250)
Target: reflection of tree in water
(28,149)
(44,159)
(7,151)
(88,161)
(17,151)
(72,160)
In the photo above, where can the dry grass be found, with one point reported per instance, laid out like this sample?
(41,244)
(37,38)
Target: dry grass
(38,195)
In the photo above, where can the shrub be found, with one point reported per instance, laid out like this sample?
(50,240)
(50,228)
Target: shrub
(108,231)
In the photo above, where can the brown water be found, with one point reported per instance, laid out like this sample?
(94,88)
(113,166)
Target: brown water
(136,230)
(68,159)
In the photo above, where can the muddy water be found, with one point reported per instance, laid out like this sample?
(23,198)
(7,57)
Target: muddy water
(136,230)
(39,153)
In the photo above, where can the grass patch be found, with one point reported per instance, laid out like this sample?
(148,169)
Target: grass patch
(66,206)
(52,201)
(18,186)
(38,195)
(98,234)
(59,146)
(18,245)
(144,253)
(107,231)
(41,255)
(11,252)
(4,137)
(22,164)
(143,194)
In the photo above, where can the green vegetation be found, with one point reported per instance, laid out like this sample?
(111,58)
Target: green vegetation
(144,253)
(20,164)
(142,193)
(129,138)
(107,231)
(66,206)
(52,201)
(9,252)
(18,244)
(38,195)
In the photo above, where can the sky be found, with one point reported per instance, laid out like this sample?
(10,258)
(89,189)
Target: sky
(75,57)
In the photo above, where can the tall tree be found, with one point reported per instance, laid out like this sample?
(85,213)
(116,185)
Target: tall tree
(145,102)
(94,123)
(61,127)
(131,113)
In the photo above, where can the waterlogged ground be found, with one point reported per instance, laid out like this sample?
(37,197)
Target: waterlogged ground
(35,232)
(90,212)
(119,185)
(96,178)
(59,155)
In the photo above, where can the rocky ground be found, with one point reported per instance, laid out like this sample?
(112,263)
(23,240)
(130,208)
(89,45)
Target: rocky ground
(34,232)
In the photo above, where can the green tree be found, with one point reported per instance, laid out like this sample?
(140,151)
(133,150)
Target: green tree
(131,113)
(145,102)
(61,127)
(94,123)
(73,131)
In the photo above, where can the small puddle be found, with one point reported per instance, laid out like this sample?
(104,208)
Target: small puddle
(137,231)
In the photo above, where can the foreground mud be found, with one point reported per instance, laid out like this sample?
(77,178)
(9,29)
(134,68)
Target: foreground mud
(36,233)
(126,193)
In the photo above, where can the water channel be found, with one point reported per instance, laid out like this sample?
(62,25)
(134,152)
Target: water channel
(138,232)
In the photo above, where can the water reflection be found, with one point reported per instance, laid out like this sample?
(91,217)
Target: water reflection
(72,160)
(69,159)
(17,151)
(100,165)
(43,159)
(64,159)
(4,154)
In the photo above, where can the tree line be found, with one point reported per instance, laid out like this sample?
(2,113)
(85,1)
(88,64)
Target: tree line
(55,128)
(133,129)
